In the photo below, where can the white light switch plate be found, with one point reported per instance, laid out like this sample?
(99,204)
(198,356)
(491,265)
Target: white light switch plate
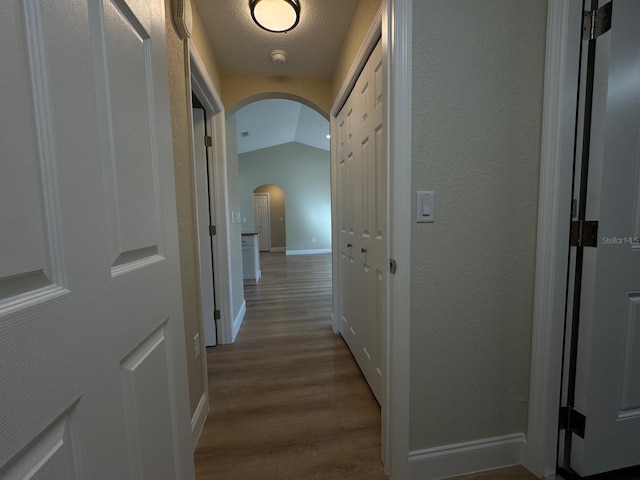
(425,206)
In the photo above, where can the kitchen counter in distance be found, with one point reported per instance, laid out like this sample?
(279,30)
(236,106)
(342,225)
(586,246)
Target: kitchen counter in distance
(250,258)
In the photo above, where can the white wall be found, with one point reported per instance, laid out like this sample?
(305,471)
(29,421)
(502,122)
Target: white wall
(235,247)
(303,172)
(477,101)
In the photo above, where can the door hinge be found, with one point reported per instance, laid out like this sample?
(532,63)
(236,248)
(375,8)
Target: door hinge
(216,315)
(584,233)
(212,230)
(572,421)
(208,141)
(596,22)
(393,266)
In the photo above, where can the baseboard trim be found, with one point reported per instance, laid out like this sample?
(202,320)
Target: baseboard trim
(468,457)
(309,252)
(197,422)
(278,249)
(237,322)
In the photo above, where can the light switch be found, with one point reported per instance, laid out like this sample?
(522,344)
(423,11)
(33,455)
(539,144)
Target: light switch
(425,206)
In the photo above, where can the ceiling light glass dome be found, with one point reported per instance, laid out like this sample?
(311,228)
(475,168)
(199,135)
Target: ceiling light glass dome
(275,15)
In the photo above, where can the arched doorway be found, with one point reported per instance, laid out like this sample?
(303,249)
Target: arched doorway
(285,143)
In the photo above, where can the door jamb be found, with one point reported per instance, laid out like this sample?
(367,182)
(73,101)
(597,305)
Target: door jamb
(397,40)
(564,19)
(200,224)
(206,92)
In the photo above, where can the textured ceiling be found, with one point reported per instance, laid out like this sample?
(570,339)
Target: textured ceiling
(273,122)
(312,47)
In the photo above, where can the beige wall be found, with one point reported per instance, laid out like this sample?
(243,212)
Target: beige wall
(303,172)
(237,88)
(477,102)
(200,39)
(180,104)
(277,214)
(362,19)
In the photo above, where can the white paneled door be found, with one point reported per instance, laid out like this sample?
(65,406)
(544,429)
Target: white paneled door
(362,207)
(607,386)
(92,349)
(262,211)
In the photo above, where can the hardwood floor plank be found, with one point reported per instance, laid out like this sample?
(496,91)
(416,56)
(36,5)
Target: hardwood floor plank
(287,399)
(517,472)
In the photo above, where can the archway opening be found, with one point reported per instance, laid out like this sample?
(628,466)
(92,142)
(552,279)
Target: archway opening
(285,143)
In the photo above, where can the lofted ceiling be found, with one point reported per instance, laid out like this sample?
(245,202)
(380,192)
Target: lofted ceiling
(268,123)
(312,48)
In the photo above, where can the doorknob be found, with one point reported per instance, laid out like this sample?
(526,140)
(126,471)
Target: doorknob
(363,250)
(349,245)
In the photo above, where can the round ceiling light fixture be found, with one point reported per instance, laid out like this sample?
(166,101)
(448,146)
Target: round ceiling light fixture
(276,16)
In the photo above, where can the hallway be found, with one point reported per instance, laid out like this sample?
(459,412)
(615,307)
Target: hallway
(287,398)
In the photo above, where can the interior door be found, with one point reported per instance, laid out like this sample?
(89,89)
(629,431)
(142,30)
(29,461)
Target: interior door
(370,221)
(349,299)
(203,215)
(263,220)
(362,221)
(607,360)
(92,349)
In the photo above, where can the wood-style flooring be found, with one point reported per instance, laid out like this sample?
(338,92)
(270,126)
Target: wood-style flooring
(517,472)
(287,400)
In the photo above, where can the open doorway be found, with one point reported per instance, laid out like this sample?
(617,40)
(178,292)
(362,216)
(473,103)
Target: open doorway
(283,146)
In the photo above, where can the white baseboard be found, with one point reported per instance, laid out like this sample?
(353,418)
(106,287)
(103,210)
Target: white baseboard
(238,321)
(278,249)
(468,457)
(309,252)
(199,416)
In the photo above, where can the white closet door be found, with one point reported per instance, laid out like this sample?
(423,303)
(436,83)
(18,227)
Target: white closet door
(608,366)
(92,357)
(346,230)
(378,258)
(362,209)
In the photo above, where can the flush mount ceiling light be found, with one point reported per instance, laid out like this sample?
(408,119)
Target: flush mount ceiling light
(275,15)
